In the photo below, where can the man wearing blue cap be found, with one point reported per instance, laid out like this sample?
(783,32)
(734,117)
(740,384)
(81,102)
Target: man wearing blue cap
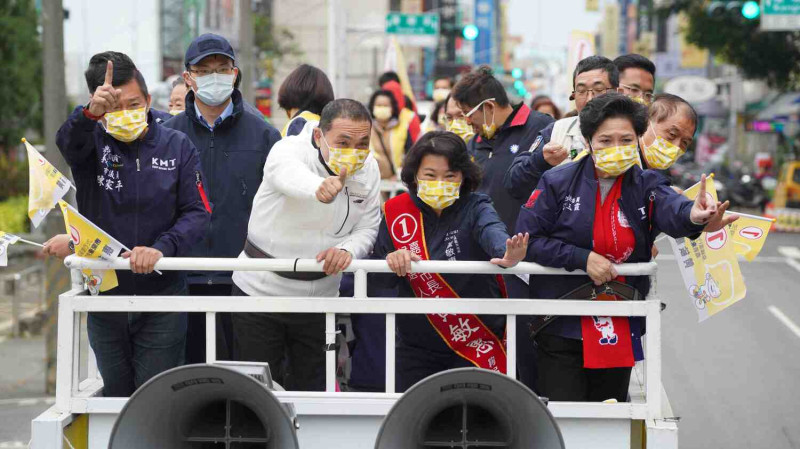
(233,143)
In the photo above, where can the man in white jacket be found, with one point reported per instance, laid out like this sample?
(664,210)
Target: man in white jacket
(320,198)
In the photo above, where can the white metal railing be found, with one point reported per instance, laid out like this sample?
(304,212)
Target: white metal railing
(72,392)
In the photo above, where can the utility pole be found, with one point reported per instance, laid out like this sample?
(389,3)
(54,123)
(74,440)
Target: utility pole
(332,46)
(57,279)
(246,56)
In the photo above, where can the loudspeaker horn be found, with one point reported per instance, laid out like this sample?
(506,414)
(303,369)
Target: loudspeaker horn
(203,406)
(469,408)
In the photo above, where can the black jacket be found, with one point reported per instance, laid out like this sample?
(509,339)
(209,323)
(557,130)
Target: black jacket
(232,157)
(513,139)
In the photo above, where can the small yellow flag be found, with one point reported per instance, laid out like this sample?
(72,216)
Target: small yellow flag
(93,243)
(711,191)
(46,185)
(5,240)
(749,234)
(709,266)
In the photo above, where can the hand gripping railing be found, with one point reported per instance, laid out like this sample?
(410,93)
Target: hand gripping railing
(77,301)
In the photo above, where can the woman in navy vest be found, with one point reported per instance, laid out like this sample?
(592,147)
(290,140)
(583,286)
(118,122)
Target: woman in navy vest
(442,218)
(592,214)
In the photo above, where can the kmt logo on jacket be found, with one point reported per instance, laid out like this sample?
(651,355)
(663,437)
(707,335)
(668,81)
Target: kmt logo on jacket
(163,164)
(513,149)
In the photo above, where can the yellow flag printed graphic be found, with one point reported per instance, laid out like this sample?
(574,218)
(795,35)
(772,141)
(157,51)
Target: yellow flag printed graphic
(5,240)
(709,266)
(93,243)
(749,233)
(46,185)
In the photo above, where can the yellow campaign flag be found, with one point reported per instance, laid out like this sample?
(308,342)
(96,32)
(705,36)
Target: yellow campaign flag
(749,233)
(396,62)
(709,266)
(46,185)
(92,242)
(5,240)
(711,191)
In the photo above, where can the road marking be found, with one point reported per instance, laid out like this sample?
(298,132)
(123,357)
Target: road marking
(13,445)
(791,252)
(759,259)
(794,263)
(785,320)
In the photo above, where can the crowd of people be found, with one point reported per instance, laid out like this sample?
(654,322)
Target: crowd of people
(486,180)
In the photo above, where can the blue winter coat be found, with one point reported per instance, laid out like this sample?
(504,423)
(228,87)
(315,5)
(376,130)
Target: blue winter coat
(470,229)
(232,157)
(142,193)
(561,221)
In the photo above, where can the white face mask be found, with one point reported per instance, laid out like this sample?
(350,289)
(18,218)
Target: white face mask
(214,89)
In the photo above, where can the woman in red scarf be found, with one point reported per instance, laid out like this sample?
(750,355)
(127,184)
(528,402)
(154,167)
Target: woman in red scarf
(590,215)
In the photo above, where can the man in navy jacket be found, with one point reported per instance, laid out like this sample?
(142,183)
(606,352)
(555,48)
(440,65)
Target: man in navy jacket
(137,181)
(233,143)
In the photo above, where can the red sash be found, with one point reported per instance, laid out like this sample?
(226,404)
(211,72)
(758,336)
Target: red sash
(466,335)
(607,340)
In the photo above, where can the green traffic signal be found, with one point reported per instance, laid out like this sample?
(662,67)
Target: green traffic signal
(516,73)
(470,32)
(751,10)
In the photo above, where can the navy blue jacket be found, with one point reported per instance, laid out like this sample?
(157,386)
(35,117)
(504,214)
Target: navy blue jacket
(527,169)
(143,193)
(160,116)
(561,222)
(232,157)
(470,229)
(496,155)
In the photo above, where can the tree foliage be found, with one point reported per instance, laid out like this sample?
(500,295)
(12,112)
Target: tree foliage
(772,56)
(273,42)
(21,66)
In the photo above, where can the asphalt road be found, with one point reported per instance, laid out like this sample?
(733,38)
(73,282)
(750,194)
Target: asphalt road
(733,379)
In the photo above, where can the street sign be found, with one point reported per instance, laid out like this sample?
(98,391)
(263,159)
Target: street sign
(420,30)
(694,89)
(780,15)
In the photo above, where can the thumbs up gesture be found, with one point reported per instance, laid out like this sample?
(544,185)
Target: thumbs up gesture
(105,98)
(331,186)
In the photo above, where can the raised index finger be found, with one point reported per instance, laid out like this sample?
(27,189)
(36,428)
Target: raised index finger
(109,73)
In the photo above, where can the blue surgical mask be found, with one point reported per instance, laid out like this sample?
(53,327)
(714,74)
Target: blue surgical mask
(214,89)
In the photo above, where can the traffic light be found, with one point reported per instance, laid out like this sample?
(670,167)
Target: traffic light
(470,32)
(519,85)
(748,10)
(751,10)
(516,73)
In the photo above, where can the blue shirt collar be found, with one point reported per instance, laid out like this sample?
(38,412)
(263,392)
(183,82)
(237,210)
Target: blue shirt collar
(225,114)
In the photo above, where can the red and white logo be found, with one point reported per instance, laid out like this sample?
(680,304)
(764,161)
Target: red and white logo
(716,240)
(403,228)
(751,233)
(74,235)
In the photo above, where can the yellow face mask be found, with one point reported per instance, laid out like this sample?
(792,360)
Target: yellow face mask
(351,159)
(382,112)
(461,128)
(438,194)
(487,131)
(661,154)
(616,160)
(640,100)
(175,111)
(126,125)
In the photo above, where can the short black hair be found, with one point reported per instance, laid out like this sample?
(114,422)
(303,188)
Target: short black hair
(634,61)
(388,76)
(124,71)
(480,85)
(445,144)
(597,63)
(438,109)
(344,108)
(666,105)
(307,88)
(612,105)
(392,100)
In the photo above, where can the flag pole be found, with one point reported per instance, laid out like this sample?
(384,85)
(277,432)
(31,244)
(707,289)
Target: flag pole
(755,217)
(30,243)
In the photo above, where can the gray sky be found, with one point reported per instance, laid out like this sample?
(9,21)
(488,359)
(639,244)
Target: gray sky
(546,24)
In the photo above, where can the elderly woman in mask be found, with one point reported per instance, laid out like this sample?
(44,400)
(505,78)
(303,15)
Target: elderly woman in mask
(590,215)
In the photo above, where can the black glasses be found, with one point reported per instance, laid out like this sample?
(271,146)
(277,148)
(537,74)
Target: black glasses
(218,70)
(599,90)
